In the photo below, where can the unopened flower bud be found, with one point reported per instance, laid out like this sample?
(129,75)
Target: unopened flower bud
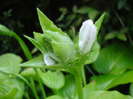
(87,35)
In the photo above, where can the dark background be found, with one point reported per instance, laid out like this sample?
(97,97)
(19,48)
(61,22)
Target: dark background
(21,17)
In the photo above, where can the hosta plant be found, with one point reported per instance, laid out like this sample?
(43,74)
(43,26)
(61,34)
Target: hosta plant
(59,54)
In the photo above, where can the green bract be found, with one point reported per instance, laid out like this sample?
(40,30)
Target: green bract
(54,42)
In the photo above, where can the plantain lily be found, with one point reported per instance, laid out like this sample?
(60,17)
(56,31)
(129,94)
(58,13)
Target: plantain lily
(58,50)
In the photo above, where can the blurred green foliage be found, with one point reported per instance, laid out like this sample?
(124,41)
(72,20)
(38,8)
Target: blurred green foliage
(20,16)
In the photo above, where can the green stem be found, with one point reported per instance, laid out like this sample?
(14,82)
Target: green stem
(29,56)
(88,68)
(33,88)
(78,80)
(40,84)
(27,95)
(83,75)
(23,46)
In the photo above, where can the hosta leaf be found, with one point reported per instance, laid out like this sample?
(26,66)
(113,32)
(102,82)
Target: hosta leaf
(67,91)
(29,72)
(9,63)
(107,81)
(11,89)
(108,95)
(10,95)
(92,92)
(114,59)
(131,89)
(54,80)
(55,97)
(87,90)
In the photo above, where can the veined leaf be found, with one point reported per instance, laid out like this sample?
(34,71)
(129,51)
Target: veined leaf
(54,80)
(114,59)
(9,63)
(108,95)
(107,81)
(55,97)
(68,90)
(11,89)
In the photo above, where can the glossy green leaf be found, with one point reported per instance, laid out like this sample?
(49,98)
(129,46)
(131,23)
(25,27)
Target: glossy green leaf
(68,90)
(11,89)
(9,63)
(28,73)
(98,23)
(92,92)
(47,24)
(87,90)
(93,55)
(5,31)
(114,59)
(107,81)
(55,97)
(131,89)
(108,95)
(10,95)
(54,80)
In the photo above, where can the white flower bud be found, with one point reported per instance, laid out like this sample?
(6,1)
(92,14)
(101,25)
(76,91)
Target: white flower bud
(87,35)
(48,60)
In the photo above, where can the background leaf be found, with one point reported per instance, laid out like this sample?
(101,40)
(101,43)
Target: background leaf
(68,90)
(107,81)
(12,88)
(114,59)
(131,89)
(9,63)
(54,80)
(87,90)
(108,95)
(55,97)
